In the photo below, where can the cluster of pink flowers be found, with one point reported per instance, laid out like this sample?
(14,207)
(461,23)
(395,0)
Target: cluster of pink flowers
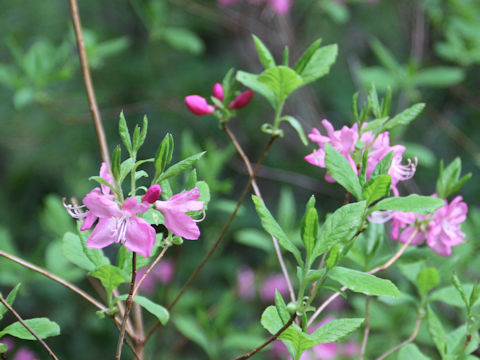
(199,105)
(327,351)
(344,141)
(281,7)
(22,353)
(162,273)
(246,285)
(119,223)
(441,230)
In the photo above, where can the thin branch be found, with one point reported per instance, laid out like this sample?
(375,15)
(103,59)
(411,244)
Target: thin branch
(367,329)
(97,120)
(56,278)
(409,340)
(371,272)
(128,306)
(270,340)
(129,343)
(26,326)
(219,239)
(259,195)
(150,268)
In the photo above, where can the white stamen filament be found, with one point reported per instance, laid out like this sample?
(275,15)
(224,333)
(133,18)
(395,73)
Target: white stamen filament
(405,172)
(203,217)
(121,229)
(380,217)
(75,211)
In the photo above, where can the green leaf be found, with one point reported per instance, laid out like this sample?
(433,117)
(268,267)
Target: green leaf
(264,54)
(296,126)
(384,165)
(124,133)
(139,136)
(340,227)
(441,76)
(385,57)
(9,299)
(375,124)
(309,230)
(405,117)
(110,276)
(282,81)
(251,81)
(272,227)
(163,155)
(271,320)
(422,205)
(427,279)
(436,330)
(341,170)
(411,352)
(376,188)
(155,309)
(373,101)
(281,307)
(43,327)
(336,330)
(450,295)
(183,39)
(3,348)
(179,167)
(191,330)
(116,159)
(73,251)
(319,63)
(458,285)
(449,181)
(306,56)
(362,282)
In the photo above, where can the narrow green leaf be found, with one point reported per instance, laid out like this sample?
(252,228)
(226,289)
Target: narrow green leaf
(405,117)
(319,63)
(306,56)
(163,155)
(373,101)
(157,310)
(362,282)
(449,295)
(116,160)
(441,76)
(341,170)
(436,330)
(281,307)
(336,330)
(385,57)
(124,133)
(458,285)
(43,327)
(422,205)
(179,167)
(9,299)
(309,230)
(272,227)
(374,124)
(376,188)
(286,56)
(191,330)
(264,54)
(297,127)
(449,180)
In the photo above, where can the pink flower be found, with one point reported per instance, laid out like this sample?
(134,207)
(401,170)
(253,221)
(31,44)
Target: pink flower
(245,282)
(119,224)
(174,209)
(281,7)
(241,100)
(218,91)
(162,273)
(270,284)
(153,194)
(25,354)
(198,105)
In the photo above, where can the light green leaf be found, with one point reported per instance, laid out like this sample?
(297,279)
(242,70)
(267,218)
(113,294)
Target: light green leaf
(110,276)
(449,180)
(442,76)
(73,251)
(411,352)
(309,230)
(319,63)
(427,279)
(43,327)
(336,330)
(376,188)
(10,299)
(190,329)
(183,39)
(422,205)
(450,295)
(124,133)
(282,81)
(297,127)
(272,227)
(341,170)
(362,282)
(436,330)
(179,167)
(405,117)
(306,56)
(340,227)
(251,81)
(155,309)
(264,54)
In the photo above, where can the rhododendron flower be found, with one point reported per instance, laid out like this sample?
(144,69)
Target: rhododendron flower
(25,354)
(174,209)
(198,105)
(245,283)
(162,273)
(218,91)
(241,100)
(270,284)
(441,230)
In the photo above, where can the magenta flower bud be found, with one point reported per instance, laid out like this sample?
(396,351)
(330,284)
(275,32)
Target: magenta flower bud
(198,105)
(152,194)
(241,100)
(218,91)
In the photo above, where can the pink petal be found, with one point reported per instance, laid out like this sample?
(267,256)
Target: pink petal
(103,234)
(281,7)
(198,105)
(101,205)
(89,221)
(106,175)
(140,236)
(218,91)
(185,202)
(132,206)
(180,224)
(242,100)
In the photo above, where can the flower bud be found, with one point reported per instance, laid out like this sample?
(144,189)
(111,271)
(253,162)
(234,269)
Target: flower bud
(198,105)
(218,91)
(241,100)
(152,194)
(177,240)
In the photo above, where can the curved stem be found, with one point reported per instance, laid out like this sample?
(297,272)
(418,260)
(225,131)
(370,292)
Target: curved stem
(150,268)
(97,120)
(255,188)
(371,272)
(128,306)
(219,239)
(409,340)
(270,340)
(26,326)
(367,329)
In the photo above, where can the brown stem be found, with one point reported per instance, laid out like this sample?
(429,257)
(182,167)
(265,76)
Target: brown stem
(97,120)
(129,344)
(259,195)
(26,326)
(220,236)
(128,306)
(270,340)
(367,329)
(150,268)
(371,272)
(409,340)
(53,277)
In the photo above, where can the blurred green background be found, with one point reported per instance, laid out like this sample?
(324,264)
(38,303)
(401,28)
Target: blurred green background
(145,57)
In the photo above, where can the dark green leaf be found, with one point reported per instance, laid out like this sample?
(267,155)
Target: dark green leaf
(9,299)
(306,56)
